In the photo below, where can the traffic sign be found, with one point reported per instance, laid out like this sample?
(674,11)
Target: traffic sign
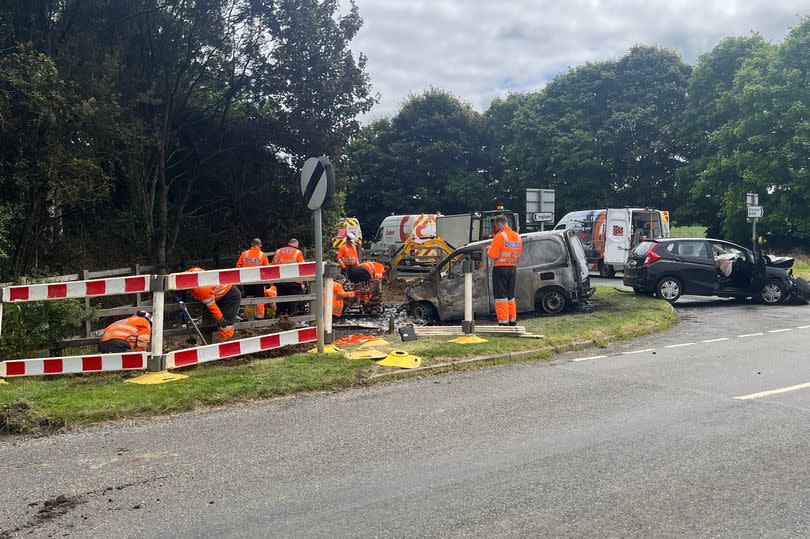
(755,212)
(317,181)
(543,217)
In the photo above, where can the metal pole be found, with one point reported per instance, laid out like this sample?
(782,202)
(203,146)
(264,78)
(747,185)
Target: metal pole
(754,228)
(1,314)
(327,307)
(319,278)
(156,361)
(468,326)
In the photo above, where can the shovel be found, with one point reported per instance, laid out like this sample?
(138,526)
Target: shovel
(188,319)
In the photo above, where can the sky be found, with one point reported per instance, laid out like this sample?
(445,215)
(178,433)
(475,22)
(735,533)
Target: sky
(482,49)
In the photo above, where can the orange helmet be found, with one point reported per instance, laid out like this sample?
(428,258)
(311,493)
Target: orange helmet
(195,269)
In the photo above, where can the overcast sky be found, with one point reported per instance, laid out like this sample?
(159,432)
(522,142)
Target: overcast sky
(480,49)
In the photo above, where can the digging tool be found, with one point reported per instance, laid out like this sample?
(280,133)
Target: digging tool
(188,319)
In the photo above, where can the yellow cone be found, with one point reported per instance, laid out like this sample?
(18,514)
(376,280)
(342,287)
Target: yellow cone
(400,359)
(3,382)
(328,349)
(153,378)
(468,339)
(374,344)
(368,354)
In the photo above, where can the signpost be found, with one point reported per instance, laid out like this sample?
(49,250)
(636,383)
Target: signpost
(317,186)
(540,206)
(755,212)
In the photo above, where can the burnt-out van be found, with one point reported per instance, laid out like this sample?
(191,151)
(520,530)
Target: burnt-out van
(552,275)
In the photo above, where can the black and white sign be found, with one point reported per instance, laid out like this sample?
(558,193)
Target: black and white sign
(543,217)
(317,181)
(540,206)
(755,212)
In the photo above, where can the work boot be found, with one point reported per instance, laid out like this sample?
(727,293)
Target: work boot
(504,324)
(512,323)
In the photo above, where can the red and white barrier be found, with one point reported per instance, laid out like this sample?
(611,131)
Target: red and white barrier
(73,364)
(304,271)
(251,345)
(76,289)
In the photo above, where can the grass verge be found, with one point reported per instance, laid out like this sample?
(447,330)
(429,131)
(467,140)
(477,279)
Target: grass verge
(81,400)
(687,232)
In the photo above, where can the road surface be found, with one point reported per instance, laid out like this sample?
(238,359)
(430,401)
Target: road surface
(699,431)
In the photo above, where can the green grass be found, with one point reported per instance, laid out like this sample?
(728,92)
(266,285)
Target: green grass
(79,400)
(688,232)
(802,266)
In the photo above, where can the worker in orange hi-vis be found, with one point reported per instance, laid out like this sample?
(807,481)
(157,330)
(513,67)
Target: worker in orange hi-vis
(347,254)
(288,255)
(127,335)
(271,292)
(339,295)
(254,257)
(505,252)
(223,303)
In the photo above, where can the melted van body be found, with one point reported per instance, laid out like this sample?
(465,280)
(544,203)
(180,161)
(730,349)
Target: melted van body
(552,275)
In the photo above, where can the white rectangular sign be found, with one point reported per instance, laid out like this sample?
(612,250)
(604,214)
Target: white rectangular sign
(755,212)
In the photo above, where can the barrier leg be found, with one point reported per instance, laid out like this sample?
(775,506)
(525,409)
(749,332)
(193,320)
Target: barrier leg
(2,367)
(328,284)
(468,325)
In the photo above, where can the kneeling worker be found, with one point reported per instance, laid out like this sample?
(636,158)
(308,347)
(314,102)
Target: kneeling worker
(127,335)
(223,302)
(505,251)
(339,294)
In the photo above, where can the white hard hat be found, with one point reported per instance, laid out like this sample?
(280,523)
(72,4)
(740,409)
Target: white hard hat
(351,236)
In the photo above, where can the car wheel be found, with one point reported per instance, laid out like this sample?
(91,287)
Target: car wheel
(669,288)
(424,311)
(773,293)
(551,301)
(606,271)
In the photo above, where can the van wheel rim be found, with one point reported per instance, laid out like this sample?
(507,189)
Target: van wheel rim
(553,302)
(771,293)
(670,289)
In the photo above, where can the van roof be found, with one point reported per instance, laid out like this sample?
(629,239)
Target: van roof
(525,235)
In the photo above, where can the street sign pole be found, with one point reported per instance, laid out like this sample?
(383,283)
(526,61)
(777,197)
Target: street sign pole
(317,186)
(755,212)
(318,221)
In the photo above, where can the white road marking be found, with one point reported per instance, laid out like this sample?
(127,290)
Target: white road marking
(803,327)
(680,345)
(639,351)
(780,330)
(591,357)
(716,340)
(750,335)
(773,392)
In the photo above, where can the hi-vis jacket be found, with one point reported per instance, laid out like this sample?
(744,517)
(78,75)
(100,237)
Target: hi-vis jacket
(209,295)
(338,295)
(347,255)
(136,330)
(506,248)
(252,257)
(375,269)
(288,255)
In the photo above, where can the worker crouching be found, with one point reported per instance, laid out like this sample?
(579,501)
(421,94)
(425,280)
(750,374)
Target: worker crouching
(127,335)
(339,296)
(222,302)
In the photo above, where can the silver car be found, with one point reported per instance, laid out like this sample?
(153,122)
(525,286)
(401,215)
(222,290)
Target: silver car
(552,275)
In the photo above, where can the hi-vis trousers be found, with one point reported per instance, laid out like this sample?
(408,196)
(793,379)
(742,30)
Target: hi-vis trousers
(503,287)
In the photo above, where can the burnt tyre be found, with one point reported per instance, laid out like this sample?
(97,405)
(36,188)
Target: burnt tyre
(773,293)
(606,271)
(669,288)
(551,301)
(424,311)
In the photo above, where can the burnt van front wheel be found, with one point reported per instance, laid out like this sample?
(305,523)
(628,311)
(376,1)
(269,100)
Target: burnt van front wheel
(550,301)
(606,271)
(423,311)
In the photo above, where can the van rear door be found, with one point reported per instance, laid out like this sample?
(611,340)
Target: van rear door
(617,236)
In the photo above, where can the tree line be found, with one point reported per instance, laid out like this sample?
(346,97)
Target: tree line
(642,130)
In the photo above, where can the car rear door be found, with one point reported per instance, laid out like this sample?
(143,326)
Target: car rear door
(617,236)
(692,264)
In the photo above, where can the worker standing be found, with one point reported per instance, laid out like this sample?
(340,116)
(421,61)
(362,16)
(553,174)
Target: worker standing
(223,303)
(127,335)
(339,295)
(347,254)
(252,258)
(505,252)
(288,255)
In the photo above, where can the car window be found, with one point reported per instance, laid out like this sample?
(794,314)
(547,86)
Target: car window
(544,252)
(720,249)
(691,249)
(643,248)
(379,236)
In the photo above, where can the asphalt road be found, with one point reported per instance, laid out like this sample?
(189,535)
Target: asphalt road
(648,438)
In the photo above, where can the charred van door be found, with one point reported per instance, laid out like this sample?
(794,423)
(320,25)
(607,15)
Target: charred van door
(450,284)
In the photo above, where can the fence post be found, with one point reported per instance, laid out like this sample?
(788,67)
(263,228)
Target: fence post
(136,270)
(328,296)
(87,324)
(1,313)
(157,361)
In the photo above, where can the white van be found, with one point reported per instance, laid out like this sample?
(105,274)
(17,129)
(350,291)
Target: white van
(395,229)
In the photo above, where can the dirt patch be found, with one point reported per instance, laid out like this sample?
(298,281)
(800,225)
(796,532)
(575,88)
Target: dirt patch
(394,291)
(49,510)
(20,418)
